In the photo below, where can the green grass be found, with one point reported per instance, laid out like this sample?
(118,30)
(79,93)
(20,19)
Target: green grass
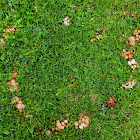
(58,75)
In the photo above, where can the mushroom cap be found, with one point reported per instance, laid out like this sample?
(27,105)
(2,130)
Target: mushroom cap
(65,121)
(83,124)
(76,124)
(62,123)
(48,132)
(58,124)
(129,63)
(81,127)
(133,61)
(131,38)
(58,121)
(61,127)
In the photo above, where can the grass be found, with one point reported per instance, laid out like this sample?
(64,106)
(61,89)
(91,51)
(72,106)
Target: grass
(58,75)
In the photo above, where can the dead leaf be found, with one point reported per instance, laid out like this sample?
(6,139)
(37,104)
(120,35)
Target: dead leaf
(111,102)
(127,54)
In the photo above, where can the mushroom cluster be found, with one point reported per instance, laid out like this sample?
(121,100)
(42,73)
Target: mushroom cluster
(131,41)
(127,54)
(8,30)
(133,64)
(60,125)
(83,122)
(137,33)
(2,41)
(19,104)
(13,83)
(129,84)
(14,74)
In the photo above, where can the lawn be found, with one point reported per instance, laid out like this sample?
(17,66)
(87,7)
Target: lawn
(69,70)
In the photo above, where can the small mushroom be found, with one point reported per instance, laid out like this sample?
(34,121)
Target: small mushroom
(65,121)
(76,124)
(48,132)
(81,127)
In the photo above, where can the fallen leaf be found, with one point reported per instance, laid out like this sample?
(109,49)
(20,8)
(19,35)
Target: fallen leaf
(111,102)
